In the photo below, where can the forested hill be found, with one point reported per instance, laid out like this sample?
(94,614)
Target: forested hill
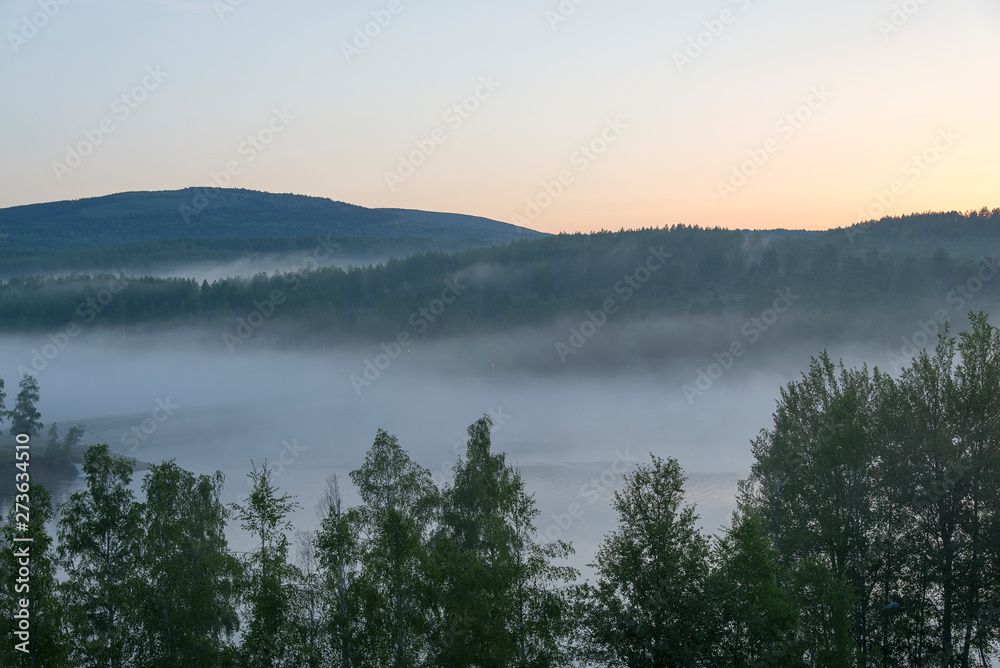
(220,213)
(971,234)
(645,273)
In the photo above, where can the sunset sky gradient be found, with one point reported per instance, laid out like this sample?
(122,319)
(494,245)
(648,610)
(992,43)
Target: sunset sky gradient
(896,78)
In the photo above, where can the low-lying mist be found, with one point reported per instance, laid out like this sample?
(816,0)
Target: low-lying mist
(573,427)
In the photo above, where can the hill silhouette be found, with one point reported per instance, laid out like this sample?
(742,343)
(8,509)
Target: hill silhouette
(225,213)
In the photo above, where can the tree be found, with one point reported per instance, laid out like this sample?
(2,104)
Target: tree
(48,644)
(72,440)
(827,607)
(944,445)
(498,603)
(819,483)
(52,439)
(24,417)
(399,500)
(976,410)
(757,619)
(188,595)
(306,620)
(338,555)
(649,605)
(264,516)
(56,448)
(100,532)
(879,490)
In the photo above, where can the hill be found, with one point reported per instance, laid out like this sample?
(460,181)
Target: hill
(876,290)
(225,213)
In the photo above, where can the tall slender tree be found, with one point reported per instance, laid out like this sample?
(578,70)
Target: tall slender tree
(100,530)
(499,597)
(306,620)
(52,439)
(398,502)
(24,417)
(337,550)
(268,572)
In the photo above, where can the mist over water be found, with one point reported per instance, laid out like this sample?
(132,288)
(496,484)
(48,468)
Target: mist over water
(211,270)
(572,433)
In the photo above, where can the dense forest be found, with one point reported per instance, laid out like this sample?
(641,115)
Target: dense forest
(841,274)
(867,534)
(151,256)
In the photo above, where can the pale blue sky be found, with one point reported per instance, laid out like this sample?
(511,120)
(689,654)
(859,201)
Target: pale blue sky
(354,121)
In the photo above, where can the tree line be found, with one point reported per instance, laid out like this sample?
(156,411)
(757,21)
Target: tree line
(25,418)
(533,282)
(146,256)
(867,534)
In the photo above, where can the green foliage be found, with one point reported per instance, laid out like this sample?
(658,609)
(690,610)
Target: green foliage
(757,621)
(398,500)
(339,559)
(52,439)
(56,448)
(828,623)
(880,489)
(861,290)
(48,644)
(100,532)
(24,417)
(498,597)
(267,570)
(868,489)
(188,591)
(650,605)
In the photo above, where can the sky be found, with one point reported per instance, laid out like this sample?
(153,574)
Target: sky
(563,116)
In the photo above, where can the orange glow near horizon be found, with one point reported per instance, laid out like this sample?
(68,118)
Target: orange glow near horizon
(791,117)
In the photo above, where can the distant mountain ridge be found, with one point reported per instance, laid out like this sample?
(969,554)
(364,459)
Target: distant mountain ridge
(226,213)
